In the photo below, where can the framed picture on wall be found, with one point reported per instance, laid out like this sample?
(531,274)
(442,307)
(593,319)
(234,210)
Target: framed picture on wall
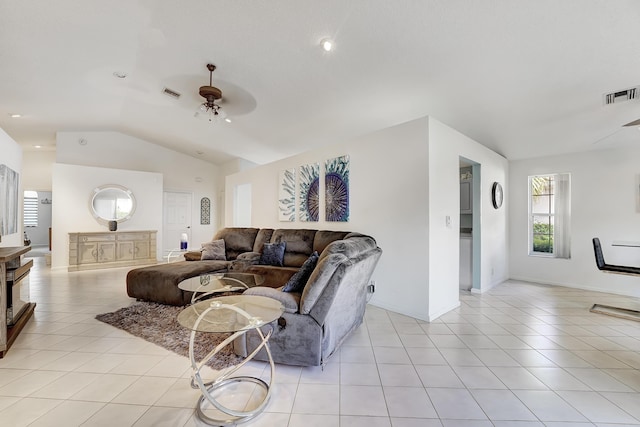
(336,189)
(310,192)
(8,200)
(287,195)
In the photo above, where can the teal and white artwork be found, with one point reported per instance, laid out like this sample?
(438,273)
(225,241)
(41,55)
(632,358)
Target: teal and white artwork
(310,192)
(287,195)
(336,189)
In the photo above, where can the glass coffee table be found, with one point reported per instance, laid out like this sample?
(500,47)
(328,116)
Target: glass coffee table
(236,315)
(209,284)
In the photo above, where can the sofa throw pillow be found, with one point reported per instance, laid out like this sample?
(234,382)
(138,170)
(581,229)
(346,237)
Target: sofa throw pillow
(272,254)
(301,277)
(214,250)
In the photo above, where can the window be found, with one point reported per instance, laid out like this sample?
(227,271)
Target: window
(30,208)
(550,215)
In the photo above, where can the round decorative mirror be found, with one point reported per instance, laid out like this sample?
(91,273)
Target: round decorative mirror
(112,203)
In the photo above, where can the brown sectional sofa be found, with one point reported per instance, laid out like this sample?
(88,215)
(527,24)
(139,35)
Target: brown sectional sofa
(243,246)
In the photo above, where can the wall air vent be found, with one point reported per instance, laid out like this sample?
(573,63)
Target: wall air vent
(621,96)
(171,93)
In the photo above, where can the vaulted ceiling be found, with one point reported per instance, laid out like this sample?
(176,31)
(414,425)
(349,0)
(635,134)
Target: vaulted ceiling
(524,78)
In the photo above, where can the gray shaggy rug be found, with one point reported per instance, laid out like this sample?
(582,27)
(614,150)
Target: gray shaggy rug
(158,324)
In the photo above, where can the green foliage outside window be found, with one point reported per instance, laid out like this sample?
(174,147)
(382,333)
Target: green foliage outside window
(543,238)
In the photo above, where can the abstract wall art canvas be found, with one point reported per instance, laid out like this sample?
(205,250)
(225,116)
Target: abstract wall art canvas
(310,192)
(8,200)
(336,189)
(287,195)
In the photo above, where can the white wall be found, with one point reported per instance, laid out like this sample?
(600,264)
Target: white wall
(73,187)
(36,169)
(11,155)
(446,146)
(390,189)
(604,193)
(180,172)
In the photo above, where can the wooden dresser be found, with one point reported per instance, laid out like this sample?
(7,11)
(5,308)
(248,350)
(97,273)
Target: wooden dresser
(89,251)
(14,273)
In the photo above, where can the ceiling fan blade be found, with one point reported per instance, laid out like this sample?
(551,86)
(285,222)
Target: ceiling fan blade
(633,123)
(605,137)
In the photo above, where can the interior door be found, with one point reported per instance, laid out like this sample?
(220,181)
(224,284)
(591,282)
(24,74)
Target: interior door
(176,219)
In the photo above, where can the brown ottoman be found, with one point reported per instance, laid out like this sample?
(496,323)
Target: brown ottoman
(159,283)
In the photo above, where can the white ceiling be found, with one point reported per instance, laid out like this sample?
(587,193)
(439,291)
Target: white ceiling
(525,78)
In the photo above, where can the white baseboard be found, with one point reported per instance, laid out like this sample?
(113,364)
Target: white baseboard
(434,316)
(576,286)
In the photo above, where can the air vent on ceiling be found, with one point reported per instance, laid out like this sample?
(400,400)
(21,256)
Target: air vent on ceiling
(171,93)
(621,96)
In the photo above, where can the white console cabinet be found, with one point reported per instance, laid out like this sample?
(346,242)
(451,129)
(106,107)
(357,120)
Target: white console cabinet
(88,251)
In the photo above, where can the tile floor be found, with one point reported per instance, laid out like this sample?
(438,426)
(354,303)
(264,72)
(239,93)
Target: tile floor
(519,355)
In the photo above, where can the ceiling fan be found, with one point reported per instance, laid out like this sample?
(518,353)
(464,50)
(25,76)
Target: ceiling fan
(215,104)
(212,96)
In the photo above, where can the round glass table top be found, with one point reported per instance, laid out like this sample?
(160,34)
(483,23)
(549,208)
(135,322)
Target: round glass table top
(223,316)
(212,282)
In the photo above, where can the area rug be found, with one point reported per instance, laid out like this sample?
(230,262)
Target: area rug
(157,323)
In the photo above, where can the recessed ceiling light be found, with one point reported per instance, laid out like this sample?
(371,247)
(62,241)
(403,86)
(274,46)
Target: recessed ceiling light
(82,141)
(120,74)
(15,116)
(37,146)
(228,120)
(327,45)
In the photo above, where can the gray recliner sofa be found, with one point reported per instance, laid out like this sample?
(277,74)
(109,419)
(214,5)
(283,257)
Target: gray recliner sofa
(331,305)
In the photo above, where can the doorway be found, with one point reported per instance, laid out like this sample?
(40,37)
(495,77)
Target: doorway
(176,219)
(470,229)
(242,205)
(37,222)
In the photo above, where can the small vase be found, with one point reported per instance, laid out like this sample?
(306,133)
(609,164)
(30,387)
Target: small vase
(113,225)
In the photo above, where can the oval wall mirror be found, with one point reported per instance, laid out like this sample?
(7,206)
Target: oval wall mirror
(112,202)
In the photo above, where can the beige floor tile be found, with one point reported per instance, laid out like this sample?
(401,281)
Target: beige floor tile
(66,386)
(359,374)
(516,350)
(319,399)
(104,388)
(362,400)
(145,391)
(68,413)
(25,411)
(597,408)
(30,383)
(305,420)
(114,414)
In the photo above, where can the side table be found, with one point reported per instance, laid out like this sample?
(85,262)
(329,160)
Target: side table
(235,314)
(213,283)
